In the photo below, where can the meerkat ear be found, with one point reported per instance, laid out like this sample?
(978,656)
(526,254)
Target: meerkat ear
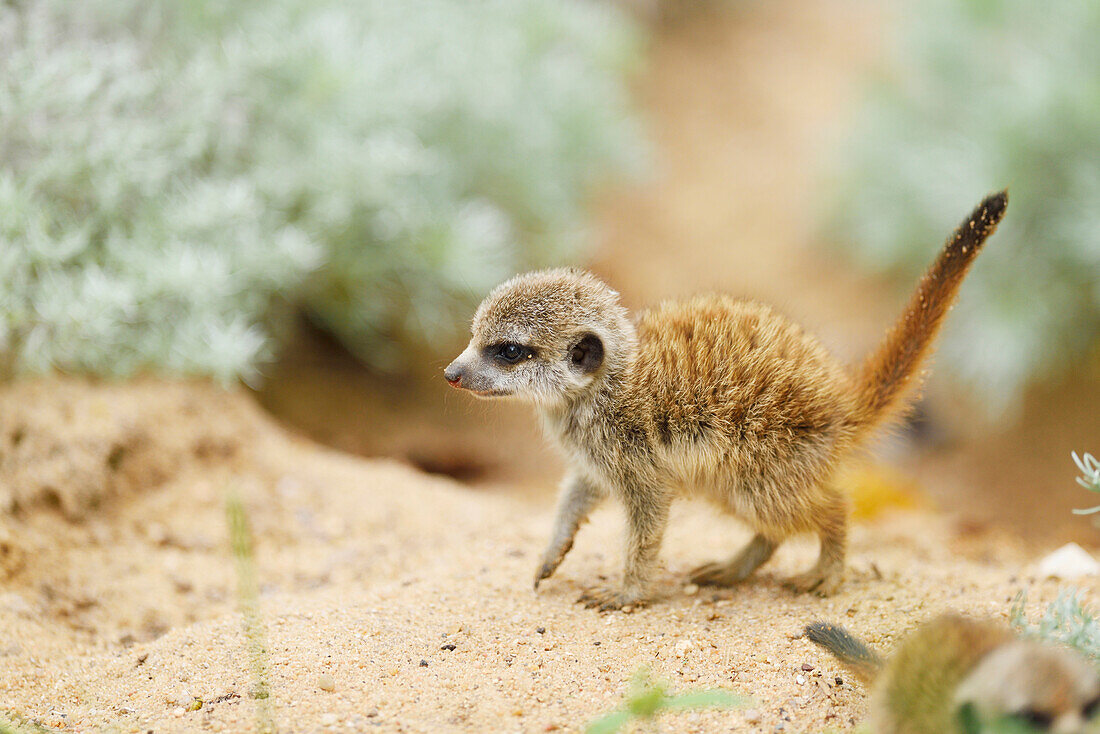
(587,354)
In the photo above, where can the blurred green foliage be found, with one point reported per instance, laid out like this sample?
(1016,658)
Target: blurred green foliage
(983,94)
(172,173)
(1066,621)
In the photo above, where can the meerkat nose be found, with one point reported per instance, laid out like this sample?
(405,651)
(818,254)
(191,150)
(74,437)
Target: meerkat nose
(453,375)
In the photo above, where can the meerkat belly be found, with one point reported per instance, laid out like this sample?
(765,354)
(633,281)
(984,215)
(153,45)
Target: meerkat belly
(740,401)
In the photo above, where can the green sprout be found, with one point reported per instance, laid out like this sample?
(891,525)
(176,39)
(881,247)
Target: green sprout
(248,591)
(1089,479)
(646,699)
(12,723)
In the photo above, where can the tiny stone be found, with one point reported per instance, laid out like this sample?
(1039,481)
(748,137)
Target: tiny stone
(195,704)
(800,679)
(691,589)
(423,663)
(596,643)
(448,647)
(839,681)
(326,682)
(540,630)
(806,667)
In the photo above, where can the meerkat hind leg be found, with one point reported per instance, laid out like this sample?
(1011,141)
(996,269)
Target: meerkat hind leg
(825,577)
(737,568)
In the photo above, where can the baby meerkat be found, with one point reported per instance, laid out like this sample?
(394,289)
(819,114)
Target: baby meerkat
(960,676)
(713,396)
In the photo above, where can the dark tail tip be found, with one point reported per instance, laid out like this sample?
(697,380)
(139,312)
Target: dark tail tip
(972,233)
(992,208)
(849,650)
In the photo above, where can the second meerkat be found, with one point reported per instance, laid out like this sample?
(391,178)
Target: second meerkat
(714,397)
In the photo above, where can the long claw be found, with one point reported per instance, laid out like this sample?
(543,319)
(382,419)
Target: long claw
(545,572)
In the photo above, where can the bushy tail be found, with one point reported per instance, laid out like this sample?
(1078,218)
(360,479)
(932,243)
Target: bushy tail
(864,662)
(888,372)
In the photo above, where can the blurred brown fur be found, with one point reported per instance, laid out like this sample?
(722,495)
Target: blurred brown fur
(953,674)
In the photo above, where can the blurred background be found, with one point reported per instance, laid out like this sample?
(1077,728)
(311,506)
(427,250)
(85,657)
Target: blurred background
(312,197)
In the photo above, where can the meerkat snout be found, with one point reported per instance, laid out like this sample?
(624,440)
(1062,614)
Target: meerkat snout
(1050,689)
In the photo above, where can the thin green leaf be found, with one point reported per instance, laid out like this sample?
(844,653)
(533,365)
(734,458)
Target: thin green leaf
(609,723)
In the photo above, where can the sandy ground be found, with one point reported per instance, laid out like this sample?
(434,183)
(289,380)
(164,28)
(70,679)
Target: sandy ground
(118,609)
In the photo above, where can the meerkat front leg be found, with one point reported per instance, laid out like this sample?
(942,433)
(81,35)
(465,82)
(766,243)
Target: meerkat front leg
(578,498)
(647,516)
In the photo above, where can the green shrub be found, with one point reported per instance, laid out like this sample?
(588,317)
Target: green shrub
(984,94)
(1066,621)
(173,172)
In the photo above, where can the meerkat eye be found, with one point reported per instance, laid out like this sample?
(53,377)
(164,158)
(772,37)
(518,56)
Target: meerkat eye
(1040,720)
(512,353)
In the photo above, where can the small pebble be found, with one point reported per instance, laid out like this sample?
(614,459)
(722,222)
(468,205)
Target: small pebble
(800,679)
(326,682)
(423,663)
(839,681)
(691,589)
(806,667)
(540,630)
(448,647)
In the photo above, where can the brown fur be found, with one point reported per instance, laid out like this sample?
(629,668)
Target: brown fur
(955,675)
(716,397)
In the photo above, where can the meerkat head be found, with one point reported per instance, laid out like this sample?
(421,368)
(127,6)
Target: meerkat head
(1042,687)
(545,337)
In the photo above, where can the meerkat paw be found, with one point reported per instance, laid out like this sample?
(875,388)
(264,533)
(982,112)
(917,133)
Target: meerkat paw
(738,568)
(820,582)
(550,562)
(605,600)
(717,573)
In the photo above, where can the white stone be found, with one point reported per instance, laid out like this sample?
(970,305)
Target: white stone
(1069,562)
